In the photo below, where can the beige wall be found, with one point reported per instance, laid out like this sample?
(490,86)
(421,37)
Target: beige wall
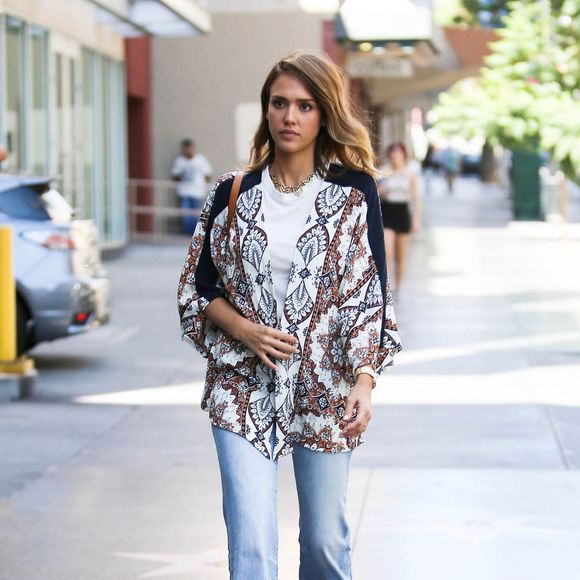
(198,82)
(74,19)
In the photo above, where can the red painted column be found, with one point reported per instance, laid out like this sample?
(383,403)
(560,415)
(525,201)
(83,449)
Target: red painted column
(139,120)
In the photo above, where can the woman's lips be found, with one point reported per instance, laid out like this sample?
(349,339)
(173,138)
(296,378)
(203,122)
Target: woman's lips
(289,134)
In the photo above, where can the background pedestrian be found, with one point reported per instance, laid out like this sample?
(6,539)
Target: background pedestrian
(400,207)
(193,172)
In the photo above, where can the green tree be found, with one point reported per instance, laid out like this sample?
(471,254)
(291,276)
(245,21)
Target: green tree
(528,94)
(488,13)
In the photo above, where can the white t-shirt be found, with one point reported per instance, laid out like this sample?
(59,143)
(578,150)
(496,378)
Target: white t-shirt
(285,215)
(193,173)
(395,186)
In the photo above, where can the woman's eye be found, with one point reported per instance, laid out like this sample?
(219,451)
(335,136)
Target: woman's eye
(306,107)
(277,103)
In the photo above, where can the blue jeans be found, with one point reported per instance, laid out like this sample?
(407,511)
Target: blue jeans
(190,221)
(249,486)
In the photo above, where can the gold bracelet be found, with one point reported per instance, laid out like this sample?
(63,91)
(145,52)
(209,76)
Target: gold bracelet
(366,370)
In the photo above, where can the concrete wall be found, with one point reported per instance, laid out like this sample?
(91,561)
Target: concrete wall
(74,19)
(199,82)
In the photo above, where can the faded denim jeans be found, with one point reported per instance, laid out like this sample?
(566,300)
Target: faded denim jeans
(249,486)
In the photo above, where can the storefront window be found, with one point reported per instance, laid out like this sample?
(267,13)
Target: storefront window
(76,131)
(104,144)
(88,131)
(14,117)
(39,102)
(59,117)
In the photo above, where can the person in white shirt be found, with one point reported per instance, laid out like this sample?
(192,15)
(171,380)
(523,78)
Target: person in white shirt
(399,190)
(193,172)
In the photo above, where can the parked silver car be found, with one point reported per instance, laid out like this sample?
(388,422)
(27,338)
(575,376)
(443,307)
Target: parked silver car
(62,287)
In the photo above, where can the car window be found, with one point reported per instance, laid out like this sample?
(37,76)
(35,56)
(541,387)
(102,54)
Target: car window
(23,202)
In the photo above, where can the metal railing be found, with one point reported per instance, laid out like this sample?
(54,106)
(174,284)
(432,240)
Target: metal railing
(155,212)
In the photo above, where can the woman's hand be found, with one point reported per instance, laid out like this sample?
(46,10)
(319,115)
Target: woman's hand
(266,341)
(416,226)
(358,407)
(261,339)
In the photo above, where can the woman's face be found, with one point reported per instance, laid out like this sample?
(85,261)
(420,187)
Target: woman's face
(396,158)
(293,115)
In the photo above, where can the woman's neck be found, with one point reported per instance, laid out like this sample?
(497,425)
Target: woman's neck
(292,169)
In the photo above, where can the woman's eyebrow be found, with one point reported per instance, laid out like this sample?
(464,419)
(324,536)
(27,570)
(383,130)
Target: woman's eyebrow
(285,99)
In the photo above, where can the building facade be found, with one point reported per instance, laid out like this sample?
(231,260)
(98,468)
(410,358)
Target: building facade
(63,94)
(207,88)
(62,105)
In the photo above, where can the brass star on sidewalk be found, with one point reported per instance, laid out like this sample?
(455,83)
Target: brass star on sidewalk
(179,564)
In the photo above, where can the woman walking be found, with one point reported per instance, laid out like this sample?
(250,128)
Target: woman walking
(285,292)
(400,207)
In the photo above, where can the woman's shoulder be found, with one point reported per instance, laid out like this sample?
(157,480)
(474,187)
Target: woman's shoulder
(347,177)
(223,184)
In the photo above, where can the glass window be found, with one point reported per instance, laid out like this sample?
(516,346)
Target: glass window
(88,132)
(104,138)
(59,117)
(24,202)
(39,101)
(106,144)
(14,117)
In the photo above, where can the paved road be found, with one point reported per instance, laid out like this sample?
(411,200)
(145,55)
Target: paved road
(472,465)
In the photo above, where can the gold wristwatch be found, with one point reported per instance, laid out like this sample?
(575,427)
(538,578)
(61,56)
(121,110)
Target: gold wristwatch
(367,370)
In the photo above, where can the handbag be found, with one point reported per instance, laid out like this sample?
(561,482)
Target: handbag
(233,198)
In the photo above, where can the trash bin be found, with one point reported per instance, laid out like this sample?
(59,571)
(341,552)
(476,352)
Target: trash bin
(525,185)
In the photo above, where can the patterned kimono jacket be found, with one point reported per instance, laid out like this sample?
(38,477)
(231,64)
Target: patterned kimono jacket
(338,306)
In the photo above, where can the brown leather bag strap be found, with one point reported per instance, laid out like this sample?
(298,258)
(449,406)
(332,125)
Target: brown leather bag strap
(234,197)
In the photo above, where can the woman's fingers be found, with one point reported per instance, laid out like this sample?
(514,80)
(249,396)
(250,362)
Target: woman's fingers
(269,342)
(264,358)
(283,336)
(349,409)
(359,425)
(273,351)
(280,345)
(356,428)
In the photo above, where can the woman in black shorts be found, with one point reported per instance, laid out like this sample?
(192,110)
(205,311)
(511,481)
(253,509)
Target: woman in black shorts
(400,207)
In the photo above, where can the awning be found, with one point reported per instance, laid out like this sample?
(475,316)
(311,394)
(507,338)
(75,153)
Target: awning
(378,23)
(153,17)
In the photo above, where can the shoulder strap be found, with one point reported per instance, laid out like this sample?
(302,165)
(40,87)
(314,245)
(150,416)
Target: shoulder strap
(233,197)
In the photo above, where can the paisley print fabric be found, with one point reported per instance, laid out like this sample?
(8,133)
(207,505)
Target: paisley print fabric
(338,306)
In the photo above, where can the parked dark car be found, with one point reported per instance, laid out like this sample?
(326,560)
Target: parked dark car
(62,287)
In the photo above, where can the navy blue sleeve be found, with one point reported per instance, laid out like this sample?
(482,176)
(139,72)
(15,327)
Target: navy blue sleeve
(207,280)
(376,237)
(375,232)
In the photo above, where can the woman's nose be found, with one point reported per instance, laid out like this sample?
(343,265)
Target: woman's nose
(290,115)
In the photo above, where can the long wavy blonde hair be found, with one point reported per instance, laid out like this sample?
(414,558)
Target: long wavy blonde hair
(342,137)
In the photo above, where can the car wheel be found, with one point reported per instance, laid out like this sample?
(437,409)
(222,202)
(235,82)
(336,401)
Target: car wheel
(22,317)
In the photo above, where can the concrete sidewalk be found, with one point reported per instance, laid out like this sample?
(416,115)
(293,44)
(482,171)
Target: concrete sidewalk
(476,437)
(471,465)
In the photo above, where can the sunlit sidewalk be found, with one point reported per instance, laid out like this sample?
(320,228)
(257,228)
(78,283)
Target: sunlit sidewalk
(472,464)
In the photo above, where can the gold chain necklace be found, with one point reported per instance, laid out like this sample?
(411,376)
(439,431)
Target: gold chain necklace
(289,188)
